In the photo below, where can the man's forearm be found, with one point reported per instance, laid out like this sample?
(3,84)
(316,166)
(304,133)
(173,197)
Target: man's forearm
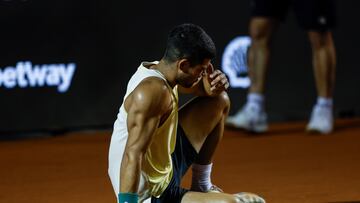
(130,173)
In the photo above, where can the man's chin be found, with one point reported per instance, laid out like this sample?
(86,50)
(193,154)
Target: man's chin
(188,85)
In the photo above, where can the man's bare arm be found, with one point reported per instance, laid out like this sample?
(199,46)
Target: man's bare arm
(145,107)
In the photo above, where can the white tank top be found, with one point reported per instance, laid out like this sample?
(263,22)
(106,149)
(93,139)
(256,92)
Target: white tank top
(157,166)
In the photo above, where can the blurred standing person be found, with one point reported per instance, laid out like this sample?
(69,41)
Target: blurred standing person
(317,18)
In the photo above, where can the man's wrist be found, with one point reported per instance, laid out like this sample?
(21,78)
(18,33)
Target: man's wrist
(206,87)
(128,197)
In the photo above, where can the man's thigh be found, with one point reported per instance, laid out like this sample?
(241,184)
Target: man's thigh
(199,117)
(182,158)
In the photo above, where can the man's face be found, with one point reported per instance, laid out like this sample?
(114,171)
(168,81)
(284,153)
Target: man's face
(192,74)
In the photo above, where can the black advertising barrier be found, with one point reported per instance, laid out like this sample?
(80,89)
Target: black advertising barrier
(65,64)
(51,74)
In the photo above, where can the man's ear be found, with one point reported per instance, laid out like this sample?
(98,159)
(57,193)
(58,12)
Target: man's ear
(184,65)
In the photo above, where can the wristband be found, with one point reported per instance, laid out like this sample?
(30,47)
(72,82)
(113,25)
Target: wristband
(128,197)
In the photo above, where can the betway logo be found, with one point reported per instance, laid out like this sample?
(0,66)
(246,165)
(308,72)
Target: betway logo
(27,75)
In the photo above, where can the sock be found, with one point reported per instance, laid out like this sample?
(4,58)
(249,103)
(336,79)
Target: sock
(255,100)
(324,102)
(201,180)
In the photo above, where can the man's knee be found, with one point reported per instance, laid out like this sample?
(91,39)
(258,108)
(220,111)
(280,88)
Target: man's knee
(320,39)
(223,101)
(261,30)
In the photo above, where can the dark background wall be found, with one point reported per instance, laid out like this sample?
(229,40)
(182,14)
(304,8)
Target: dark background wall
(108,39)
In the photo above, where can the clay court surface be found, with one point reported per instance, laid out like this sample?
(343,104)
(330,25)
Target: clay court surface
(285,165)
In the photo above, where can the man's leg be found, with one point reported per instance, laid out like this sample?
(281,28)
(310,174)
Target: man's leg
(203,122)
(324,63)
(198,197)
(201,125)
(252,116)
(261,30)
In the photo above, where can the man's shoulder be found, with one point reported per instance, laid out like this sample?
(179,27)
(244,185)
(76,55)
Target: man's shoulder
(153,86)
(151,92)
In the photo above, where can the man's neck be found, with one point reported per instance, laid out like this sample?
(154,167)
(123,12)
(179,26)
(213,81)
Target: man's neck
(167,70)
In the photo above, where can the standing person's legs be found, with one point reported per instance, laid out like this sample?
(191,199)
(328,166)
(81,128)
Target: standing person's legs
(265,16)
(318,18)
(252,116)
(261,30)
(324,62)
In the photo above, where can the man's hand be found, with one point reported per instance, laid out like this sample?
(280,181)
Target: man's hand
(215,81)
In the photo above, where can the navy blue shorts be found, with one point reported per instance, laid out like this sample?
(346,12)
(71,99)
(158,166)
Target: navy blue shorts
(182,158)
(318,15)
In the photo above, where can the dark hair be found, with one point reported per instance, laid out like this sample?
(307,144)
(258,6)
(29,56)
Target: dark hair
(191,42)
